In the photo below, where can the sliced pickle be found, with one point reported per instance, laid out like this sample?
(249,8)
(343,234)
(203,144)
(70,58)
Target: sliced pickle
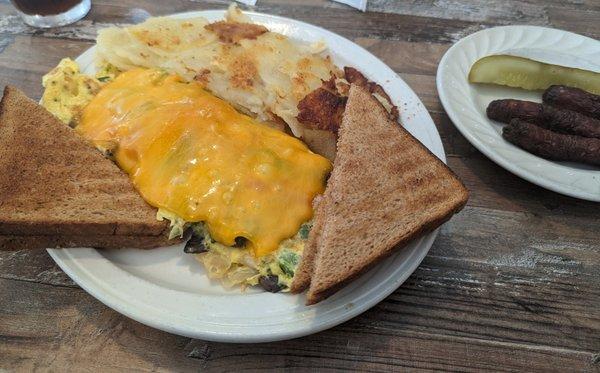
(524,73)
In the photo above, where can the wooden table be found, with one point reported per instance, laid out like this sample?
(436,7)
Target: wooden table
(511,283)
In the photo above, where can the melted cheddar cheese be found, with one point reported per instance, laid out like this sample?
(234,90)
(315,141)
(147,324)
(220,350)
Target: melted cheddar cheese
(193,154)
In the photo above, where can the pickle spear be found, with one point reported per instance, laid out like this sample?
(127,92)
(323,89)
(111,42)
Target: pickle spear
(524,73)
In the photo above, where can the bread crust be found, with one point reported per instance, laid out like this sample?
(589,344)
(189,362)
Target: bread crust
(305,269)
(30,242)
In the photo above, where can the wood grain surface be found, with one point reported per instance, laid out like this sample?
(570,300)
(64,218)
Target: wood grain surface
(511,284)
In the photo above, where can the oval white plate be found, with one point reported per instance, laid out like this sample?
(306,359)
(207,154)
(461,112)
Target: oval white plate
(466,103)
(167,289)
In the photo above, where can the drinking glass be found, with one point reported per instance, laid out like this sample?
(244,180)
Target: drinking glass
(51,13)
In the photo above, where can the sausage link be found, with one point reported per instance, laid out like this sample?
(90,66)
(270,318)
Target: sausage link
(552,145)
(573,99)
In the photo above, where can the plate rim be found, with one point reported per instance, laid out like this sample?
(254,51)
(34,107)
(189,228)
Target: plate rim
(62,258)
(489,151)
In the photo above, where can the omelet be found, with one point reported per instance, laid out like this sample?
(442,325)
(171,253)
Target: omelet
(272,251)
(245,188)
(68,91)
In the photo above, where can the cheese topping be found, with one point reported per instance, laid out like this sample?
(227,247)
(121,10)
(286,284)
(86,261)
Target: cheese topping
(193,154)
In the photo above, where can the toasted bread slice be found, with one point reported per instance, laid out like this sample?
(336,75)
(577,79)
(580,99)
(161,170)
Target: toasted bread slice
(385,190)
(53,183)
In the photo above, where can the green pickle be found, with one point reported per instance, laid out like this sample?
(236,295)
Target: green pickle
(524,73)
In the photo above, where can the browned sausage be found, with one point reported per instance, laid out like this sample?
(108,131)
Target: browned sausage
(549,117)
(573,99)
(552,145)
(506,110)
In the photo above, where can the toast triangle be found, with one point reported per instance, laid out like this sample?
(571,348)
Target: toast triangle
(385,190)
(53,183)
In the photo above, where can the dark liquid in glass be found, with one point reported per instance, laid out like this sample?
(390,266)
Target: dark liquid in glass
(44,7)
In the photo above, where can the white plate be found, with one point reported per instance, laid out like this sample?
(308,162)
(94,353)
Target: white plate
(466,103)
(168,290)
